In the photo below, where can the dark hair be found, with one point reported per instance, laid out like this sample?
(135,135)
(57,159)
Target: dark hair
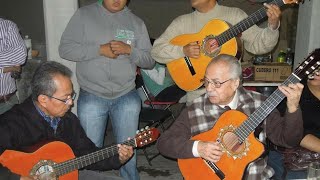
(42,80)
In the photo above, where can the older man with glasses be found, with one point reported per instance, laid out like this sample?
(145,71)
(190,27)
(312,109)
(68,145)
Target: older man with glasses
(222,82)
(46,116)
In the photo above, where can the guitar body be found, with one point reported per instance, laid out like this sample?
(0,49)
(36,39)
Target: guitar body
(179,69)
(236,156)
(22,163)
(55,160)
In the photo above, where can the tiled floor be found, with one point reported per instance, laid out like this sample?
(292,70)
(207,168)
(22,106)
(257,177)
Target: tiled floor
(162,168)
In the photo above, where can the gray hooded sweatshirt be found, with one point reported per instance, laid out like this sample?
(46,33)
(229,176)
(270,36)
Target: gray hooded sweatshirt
(92,26)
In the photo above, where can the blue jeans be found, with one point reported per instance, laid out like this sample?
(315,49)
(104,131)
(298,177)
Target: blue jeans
(93,112)
(275,160)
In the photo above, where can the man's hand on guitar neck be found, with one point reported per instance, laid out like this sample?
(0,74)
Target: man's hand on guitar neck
(293,93)
(273,13)
(192,50)
(210,150)
(125,153)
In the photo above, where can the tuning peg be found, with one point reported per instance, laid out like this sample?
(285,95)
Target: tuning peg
(147,127)
(142,129)
(137,132)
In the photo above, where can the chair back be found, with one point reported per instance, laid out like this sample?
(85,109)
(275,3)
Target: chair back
(140,84)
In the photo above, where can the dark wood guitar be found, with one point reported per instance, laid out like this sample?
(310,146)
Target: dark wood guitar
(56,160)
(235,132)
(188,72)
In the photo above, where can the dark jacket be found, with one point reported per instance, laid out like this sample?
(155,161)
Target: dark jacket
(23,126)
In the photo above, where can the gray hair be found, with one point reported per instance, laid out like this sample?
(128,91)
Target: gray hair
(233,62)
(42,81)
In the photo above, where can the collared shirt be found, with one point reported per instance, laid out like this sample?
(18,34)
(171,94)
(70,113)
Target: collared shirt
(52,121)
(12,53)
(234,103)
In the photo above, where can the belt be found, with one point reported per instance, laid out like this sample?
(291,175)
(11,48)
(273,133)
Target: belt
(276,148)
(6,98)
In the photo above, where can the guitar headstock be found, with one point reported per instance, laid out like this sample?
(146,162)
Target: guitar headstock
(291,1)
(146,136)
(309,65)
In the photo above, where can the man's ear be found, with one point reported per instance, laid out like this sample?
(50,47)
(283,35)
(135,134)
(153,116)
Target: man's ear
(236,84)
(42,99)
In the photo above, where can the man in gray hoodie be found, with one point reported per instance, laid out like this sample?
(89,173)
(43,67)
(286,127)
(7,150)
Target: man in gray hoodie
(108,42)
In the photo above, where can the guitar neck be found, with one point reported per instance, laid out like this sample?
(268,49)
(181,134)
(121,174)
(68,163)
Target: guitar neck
(306,68)
(86,160)
(264,110)
(245,24)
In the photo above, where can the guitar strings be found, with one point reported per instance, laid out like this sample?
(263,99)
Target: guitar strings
(266,107)
(67,166)
(254,18)
(70,165)
(77,163)
(263,111)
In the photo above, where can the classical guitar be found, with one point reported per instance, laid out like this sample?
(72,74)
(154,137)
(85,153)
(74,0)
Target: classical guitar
(56,160)
(188,72)
(234,130)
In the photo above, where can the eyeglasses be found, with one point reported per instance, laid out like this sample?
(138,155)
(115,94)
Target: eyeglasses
(216,84)
(70,98)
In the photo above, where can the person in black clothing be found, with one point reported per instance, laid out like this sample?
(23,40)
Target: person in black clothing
(46,116)
(310,107)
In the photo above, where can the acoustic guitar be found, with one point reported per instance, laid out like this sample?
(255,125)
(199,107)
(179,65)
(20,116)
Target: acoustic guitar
(234,130)
(56,160)
(188,72)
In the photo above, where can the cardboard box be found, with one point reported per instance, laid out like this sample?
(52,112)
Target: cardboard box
(275,72)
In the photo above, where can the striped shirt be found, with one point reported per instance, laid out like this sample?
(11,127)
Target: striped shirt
(13,52)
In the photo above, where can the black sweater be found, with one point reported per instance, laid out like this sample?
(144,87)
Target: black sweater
(23,126)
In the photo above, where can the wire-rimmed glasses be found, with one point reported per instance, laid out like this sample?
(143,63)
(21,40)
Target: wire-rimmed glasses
(216,84)
(70,98)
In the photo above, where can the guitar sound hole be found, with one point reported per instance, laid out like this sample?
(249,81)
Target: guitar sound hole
(45,172)
(210,47)
(231,143)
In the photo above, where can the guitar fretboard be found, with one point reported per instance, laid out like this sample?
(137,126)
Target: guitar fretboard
(263,111)
(304,69)
(86,160)
(245,24)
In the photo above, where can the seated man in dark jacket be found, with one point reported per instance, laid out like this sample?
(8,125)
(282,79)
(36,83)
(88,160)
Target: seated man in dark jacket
(46,116)
(191,136)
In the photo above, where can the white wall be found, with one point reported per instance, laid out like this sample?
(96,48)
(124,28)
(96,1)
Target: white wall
(56,17)
(308,32)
